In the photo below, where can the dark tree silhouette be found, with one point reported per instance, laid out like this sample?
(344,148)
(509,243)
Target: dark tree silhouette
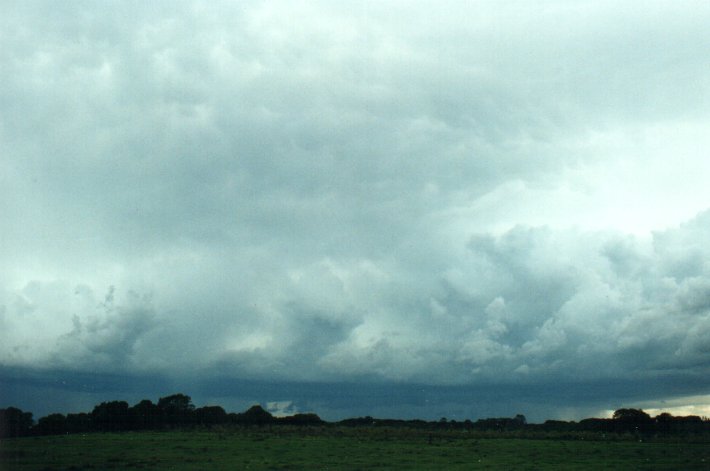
(631,415)
(53,424)
(664,422)
(176,409)
(210,415)
(632,420)
(144,415)
(176,402)
(301,419)
(14,422)
(111,416)
(255,415)
(79,423)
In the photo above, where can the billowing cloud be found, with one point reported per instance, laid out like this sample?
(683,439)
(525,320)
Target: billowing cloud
(362,193)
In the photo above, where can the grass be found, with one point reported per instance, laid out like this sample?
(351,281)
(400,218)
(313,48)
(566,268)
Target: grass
(339,449)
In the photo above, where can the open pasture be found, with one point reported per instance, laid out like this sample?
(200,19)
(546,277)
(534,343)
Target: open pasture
(329,448)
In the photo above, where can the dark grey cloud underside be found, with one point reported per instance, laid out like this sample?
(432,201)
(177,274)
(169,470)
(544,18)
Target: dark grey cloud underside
(79,392)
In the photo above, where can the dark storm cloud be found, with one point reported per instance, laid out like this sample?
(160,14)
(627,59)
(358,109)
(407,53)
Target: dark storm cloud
(463,195)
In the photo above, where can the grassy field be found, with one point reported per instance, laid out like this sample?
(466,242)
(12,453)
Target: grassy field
(337,448)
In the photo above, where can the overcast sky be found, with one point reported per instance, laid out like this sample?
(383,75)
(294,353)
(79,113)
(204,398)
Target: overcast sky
(407,209)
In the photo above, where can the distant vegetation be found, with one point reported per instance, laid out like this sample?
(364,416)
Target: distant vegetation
(178,412)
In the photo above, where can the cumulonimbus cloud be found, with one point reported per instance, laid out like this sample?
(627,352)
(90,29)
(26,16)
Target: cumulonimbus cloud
(496,195)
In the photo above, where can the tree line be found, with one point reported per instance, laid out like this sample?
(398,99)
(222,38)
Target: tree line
(174,411)
(178,411)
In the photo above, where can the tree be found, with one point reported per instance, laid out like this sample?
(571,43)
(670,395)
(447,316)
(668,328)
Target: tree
(176,403)
(110,416)
(255,415)
(664,422)
(176,408)
(144,415)
(53,424)
(210,415)
(79,423)
(631,415)
(14,422)
(301,419)
(632,420)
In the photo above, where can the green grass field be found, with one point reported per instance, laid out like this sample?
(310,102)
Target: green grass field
(339,448)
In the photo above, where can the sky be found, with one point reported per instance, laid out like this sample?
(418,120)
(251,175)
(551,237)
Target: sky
(397,209)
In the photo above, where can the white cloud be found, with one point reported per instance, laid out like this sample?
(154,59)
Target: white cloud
(677,406)
(281,408)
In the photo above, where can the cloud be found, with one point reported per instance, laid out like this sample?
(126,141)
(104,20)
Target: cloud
(53,325)
(531,304)
(370,193)
(281,408)
(681,406)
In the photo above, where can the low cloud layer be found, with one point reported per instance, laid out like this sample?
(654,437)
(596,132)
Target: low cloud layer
(466,195)
(528,305)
